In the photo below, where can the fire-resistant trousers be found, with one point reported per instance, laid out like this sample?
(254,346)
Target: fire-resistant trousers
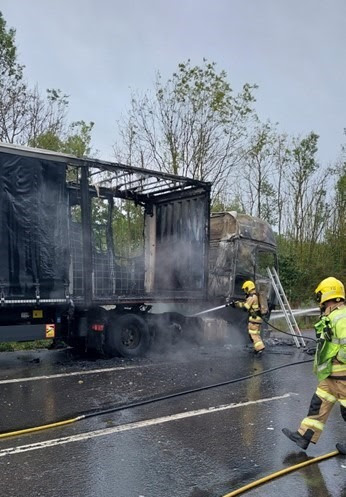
(329,391)
(254,330)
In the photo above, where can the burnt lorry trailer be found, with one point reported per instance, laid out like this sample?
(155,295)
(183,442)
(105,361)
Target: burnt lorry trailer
(88,247)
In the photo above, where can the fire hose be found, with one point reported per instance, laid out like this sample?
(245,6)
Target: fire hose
(341,450)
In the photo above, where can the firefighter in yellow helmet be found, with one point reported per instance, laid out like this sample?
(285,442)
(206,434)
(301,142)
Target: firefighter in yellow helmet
(329,364)
(251,305)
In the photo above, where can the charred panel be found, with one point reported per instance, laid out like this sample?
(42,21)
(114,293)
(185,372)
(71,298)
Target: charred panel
(33,227)
(181,244)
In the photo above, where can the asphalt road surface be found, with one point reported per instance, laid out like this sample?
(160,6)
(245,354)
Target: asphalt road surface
(202,444)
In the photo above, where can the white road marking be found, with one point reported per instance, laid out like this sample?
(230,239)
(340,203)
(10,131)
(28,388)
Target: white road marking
(74,373)
(132,426)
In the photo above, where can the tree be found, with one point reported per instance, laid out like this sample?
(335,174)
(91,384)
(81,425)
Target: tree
(257,171)
(13,92)
(194,125)
(302,167)
(308,206)
(281,157)
(339,239)
(220,204)
(24,113)
(336,234)
(8,50)
(293,276)
(76,140)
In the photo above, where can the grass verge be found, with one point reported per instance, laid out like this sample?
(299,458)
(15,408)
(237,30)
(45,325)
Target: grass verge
(14,346)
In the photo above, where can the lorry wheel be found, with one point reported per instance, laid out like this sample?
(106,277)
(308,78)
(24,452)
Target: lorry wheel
(128,335)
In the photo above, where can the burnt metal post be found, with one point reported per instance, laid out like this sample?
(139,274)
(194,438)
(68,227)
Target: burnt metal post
(86,235)
(207,242)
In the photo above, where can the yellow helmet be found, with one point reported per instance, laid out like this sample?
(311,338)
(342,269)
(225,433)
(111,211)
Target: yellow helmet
(330,289)
(248,286)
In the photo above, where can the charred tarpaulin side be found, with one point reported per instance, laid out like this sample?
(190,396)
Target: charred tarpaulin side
(33,226)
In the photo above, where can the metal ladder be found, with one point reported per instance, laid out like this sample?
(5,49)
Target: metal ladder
(285,307)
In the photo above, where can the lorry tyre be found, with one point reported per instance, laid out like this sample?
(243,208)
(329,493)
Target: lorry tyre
(128,335)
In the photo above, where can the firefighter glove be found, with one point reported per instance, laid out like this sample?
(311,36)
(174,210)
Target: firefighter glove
(230,303)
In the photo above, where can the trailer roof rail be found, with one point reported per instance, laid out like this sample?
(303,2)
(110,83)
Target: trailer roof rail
(114,176)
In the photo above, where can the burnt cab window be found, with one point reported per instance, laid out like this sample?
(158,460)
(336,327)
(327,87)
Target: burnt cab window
(264,259)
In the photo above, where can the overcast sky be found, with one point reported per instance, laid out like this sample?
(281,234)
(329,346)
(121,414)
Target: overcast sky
(98,50)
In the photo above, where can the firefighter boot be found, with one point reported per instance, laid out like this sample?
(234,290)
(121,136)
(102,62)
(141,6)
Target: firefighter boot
(296,437)
(341,448)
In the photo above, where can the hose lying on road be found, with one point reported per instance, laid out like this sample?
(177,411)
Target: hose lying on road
(286,332)
(282,472)
(143,402)
(41,427)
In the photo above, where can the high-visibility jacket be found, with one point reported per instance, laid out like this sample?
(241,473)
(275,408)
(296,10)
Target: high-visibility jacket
(330,357)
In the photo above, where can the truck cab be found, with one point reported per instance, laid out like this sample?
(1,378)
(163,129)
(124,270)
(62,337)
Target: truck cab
(241,248)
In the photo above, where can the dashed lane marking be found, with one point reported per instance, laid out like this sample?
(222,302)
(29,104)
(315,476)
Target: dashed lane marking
(73,373)
(133,426)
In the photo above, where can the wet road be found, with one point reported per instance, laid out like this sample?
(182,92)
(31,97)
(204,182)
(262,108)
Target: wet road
(203,444)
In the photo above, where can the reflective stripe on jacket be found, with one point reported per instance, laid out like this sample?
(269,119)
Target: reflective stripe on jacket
(330,354)
(251,304)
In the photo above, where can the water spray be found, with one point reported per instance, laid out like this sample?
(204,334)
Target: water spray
(274,314)
(208,310)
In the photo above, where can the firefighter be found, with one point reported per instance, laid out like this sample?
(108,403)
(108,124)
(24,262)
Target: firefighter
(251,305)
(329,363)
